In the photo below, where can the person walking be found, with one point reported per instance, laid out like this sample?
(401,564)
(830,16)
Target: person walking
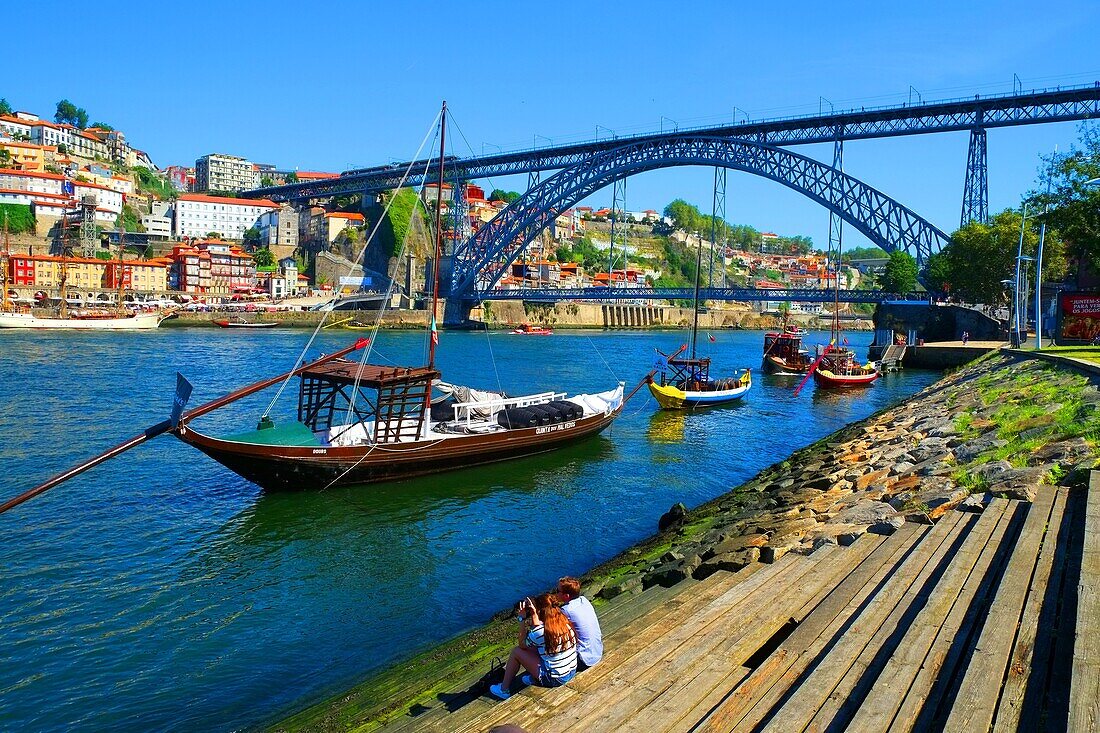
(582,615)
(547,647)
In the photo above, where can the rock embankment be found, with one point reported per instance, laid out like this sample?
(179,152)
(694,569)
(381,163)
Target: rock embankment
(999,427)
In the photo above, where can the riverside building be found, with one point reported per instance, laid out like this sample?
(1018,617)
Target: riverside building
(196,215)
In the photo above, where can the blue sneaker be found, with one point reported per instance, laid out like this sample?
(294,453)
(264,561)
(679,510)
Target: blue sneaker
(526,679)
(499,692)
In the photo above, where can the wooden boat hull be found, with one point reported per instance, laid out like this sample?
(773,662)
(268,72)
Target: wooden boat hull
(825,378)
(138,322)
(780,367)
(670,397)
(317,467)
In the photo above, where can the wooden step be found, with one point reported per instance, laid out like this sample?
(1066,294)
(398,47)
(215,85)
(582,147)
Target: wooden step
(912,657)
(976,702)
(1084,698)
(819,694)
(753,698)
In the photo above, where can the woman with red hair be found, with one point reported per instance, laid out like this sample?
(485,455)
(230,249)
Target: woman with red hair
(547,647)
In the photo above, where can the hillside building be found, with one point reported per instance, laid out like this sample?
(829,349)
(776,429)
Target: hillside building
(196,215)
(218,172)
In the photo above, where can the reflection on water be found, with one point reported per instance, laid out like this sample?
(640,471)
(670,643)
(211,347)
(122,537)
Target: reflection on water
(162,592)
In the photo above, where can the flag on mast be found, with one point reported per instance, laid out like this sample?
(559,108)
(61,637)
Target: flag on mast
(435,332)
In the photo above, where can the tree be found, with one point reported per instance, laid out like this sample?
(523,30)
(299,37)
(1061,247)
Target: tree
(5,108)
(63,149)
(266,181)
(69,113)
(102,126)
(937,273)
(981,256)
(1072,207)
(252,236)
(499,194)
(901,273)
(5,156)
(213,235)
(263,257)
(129,220)
(292,177)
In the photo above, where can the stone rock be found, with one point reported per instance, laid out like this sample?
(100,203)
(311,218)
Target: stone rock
(672,556)
(822,483)
(729,561)
(1034,432)
(771,553)
(735,544)
(870,478)
(864,513)
(631,585)
(901,467)
(837,534)
(670,573)
(673,518)
(794,528)
(887,526)
(994,471)
(1064,452)
(975,503)
(1020,483)
(972,449)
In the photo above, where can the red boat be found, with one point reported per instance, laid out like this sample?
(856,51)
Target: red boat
(526,329)
(838,368)
(783,352)
(242,323)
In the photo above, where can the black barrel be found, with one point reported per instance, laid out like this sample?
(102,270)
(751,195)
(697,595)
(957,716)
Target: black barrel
(517,417)
(546,416)
(569,410)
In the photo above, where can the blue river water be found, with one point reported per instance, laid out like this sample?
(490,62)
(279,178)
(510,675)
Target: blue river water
(160,591)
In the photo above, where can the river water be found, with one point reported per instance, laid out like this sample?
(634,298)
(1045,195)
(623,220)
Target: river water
(161,592)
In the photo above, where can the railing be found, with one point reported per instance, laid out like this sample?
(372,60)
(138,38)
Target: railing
(495,405)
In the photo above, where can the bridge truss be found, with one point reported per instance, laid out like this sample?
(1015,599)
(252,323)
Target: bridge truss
(794,295)
(480,261)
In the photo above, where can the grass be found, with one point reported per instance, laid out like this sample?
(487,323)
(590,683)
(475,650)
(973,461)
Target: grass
(1085,353)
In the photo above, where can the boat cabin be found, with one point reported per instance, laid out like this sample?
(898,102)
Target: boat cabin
(684,372)
(349,403)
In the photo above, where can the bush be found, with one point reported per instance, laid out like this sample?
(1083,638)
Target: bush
(20,218)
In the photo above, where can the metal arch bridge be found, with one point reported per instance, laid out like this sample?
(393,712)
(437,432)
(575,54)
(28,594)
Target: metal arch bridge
(794,295)
(480,261)
(975,114)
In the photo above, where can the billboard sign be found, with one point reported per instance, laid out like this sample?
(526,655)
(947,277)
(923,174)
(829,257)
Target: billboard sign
(1078,318)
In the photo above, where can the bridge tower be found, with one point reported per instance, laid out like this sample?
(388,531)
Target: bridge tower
(836,224)
(718,212)
(618,199)
(976,189)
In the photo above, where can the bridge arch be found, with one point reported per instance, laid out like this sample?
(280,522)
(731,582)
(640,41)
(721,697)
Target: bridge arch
(480,261)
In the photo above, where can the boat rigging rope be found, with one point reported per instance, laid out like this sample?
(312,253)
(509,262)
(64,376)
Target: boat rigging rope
(389,295)
(325,314)
(613,374)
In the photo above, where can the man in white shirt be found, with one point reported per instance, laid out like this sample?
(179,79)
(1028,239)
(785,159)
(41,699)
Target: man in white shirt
(580,613)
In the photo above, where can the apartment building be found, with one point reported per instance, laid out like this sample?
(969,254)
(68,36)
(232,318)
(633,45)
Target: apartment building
(196,215)
(218,172)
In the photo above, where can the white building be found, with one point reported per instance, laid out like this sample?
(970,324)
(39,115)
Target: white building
(47,133)
(158,226)
(196,215)
(217,172)
(15,127)
(51,183)
(106,198)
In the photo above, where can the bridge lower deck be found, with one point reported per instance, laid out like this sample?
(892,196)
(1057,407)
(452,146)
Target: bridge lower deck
(982,621)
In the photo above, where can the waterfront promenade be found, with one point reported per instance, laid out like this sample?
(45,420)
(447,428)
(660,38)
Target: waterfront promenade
(929,568)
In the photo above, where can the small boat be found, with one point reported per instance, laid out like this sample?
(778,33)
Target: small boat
(526,329)
(838,368)
(783,352)
(239,322)
(685,381)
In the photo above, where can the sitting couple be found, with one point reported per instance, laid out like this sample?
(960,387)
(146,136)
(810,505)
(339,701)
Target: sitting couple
(554,642)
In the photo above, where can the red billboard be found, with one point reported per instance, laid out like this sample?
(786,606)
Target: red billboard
(1078,318)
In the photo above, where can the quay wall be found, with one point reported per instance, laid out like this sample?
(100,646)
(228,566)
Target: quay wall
(974,434)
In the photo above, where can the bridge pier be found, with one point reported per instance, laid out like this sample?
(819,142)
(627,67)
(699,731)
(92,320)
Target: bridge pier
(976,187)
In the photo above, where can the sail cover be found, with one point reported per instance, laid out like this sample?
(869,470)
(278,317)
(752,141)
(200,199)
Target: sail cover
(469,394)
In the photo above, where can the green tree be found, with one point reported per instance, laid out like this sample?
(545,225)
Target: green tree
(102,126)
(129,220)
(5,108)
(19,219)
(5,157)
(1071,206)
(69,113)
(901,273)
(292,177)
(937,273)
(982,255)
(263,257)
(499,194)
(213,235)
(864,253)
(252,236)
(406,205)
(266,181)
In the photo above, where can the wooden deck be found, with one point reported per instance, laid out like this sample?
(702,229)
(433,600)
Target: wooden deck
(981,622)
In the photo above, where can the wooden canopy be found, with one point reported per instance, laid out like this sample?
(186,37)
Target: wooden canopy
(377,376)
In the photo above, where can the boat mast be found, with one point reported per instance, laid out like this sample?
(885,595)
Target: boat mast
(433,337)
(695,301)
(120,271)
(5,264)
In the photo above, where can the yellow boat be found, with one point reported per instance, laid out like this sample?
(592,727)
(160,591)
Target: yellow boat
(703,394)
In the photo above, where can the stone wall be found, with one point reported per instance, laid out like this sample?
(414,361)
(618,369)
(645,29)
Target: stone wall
(934,322)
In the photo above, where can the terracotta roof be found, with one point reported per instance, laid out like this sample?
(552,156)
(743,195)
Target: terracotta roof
(315,175)
(345,215)
(203,198)
(31,174)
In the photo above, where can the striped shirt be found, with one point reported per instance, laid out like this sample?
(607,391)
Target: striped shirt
(555,665)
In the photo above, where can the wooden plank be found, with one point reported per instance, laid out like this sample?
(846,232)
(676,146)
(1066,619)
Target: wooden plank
(980,689)
(1084,696)
(814,689)
(877,710)
(963,616)
(845,699)
(1010,708)
(753,698)
(676,645)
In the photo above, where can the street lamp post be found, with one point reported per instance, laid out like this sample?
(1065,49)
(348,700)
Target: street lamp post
(1016,285)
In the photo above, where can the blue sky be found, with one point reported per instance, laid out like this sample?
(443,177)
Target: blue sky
(329,86)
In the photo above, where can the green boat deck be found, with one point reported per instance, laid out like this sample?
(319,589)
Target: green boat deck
(292,434)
